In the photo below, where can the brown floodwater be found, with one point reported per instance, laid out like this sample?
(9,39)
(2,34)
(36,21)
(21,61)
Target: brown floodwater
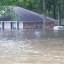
(33,46)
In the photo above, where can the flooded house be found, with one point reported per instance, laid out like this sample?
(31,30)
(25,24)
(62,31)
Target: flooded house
(26,20)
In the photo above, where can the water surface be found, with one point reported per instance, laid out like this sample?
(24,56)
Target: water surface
(33,46)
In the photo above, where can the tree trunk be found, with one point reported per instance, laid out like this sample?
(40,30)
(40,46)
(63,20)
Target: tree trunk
(54,13)
(44,14)
(59,15)
(54,7)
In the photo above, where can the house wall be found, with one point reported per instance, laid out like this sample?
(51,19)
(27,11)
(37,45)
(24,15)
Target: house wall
(28,25)
(20,25)
(37,25)
(50,24)
(7,25)
(32,25)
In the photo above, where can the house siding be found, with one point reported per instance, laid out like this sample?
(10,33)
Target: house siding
(7,25)
(20,25)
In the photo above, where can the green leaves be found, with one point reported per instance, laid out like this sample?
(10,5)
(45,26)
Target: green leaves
(14,15)
(20,0)
(7,12)
(34,5)
(1,8)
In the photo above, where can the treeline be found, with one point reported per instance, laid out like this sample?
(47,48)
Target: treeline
(37,6)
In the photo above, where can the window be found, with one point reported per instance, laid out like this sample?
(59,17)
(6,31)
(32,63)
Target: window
(14,25)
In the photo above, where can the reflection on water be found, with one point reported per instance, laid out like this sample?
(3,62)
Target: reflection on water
(32,47)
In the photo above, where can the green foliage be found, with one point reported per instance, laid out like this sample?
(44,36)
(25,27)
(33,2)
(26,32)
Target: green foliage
(1,8)
(7,12)
(1,13)
(35,5)
(14,15)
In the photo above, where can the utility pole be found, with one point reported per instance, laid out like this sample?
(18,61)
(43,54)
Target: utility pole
(44,14)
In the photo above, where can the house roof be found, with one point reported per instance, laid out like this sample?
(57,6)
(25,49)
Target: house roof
(24,15)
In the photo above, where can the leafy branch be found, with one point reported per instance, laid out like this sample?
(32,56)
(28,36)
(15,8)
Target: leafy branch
(5,11)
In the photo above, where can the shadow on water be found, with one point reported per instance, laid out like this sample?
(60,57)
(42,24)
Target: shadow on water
(30,34)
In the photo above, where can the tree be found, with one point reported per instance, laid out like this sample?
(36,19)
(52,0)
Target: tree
(44,13)
(59,14)
(36,6)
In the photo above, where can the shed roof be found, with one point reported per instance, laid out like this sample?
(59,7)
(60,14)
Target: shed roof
(24,15)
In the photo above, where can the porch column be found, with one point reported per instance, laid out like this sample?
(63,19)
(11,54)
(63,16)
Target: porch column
(17,25)
(2,25)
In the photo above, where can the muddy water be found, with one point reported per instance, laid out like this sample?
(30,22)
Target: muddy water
(32,47)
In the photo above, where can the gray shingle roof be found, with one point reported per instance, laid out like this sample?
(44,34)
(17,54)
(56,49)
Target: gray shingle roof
(5,18)
(24,15)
